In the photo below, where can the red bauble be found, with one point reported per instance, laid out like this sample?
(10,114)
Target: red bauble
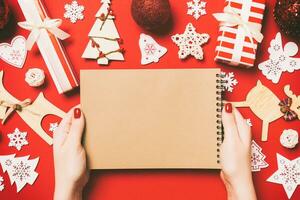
(3,13)
(151,14)
(287,16)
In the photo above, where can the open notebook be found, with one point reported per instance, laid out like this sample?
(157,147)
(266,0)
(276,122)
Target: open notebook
(151,119)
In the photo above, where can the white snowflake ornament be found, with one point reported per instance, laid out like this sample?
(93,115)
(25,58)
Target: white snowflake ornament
(53,126)
(280,59)
(1,184)
(20,170)
(288,174)
(257,158)
(196,8)
(74,12)
(151,51)
(190,42)
(249,122)
(228,81)
(17,139)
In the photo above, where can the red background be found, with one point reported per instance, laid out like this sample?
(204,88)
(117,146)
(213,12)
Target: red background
(142,184)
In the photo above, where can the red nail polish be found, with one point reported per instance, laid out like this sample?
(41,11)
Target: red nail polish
(228,107)
(77,113)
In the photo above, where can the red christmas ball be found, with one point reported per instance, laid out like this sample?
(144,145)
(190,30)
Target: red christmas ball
(151,14)
(3,13)
(287,16)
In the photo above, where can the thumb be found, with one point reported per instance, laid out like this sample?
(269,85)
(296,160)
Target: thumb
(77,126)
(229,123)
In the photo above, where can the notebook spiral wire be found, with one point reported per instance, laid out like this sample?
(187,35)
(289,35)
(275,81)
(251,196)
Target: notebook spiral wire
(219,106)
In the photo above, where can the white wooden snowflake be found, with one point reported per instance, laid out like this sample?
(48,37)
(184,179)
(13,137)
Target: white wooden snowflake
(190,42)
(1,184)
(17,139)
(248,121)
(228,81)
(196,8)
(74,12)
(53,126)
(288,174)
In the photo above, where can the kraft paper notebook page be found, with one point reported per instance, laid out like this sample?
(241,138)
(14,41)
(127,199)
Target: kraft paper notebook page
(151,119)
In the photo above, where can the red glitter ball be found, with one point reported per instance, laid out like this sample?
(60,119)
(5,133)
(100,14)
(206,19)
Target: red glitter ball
(4,11)
(287,16)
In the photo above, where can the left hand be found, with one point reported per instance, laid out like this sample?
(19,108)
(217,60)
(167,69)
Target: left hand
(71,173)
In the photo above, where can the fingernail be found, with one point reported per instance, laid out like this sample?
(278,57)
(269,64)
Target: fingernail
(228,107)
(77,113)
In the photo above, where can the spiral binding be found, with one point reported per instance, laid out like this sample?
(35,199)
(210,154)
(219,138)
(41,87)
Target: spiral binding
(219,106)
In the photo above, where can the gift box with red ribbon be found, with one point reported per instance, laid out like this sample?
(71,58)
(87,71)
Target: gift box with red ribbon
(240,32)
(45,32)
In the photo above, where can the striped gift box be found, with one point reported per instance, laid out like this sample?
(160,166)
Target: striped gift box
(234,45)
(50,47)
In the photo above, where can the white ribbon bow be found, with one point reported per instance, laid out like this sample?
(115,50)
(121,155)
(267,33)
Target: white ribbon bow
(50,25)
(230,19)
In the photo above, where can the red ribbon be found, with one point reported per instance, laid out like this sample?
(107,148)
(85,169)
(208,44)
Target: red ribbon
(285,108)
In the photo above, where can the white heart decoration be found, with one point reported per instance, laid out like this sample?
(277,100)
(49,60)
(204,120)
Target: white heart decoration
(14,53)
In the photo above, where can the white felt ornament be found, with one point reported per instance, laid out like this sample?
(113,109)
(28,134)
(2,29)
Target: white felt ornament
(289,138)
(17,139)
(280,59)
(14,53)
(151,51)
(35,77)
(20,170)
(257,158)
(288,174)
(190,42)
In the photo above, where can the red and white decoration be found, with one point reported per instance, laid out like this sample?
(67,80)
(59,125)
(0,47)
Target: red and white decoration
(14,53)
(190,42)
(280,60)
(151,51)
(104,43)
(288,174)
(21,170)
(42,27)
(257,158)
(240,32)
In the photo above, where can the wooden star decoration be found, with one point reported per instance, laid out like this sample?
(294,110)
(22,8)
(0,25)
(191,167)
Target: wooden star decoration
(288,174)
(190,42)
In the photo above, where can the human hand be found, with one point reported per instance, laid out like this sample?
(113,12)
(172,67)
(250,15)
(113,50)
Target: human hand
(235,155)
(71,172)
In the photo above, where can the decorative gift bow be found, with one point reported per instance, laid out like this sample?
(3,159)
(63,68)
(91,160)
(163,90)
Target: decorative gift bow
(230,18)
(285,108)
(14,107)
(50,25)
